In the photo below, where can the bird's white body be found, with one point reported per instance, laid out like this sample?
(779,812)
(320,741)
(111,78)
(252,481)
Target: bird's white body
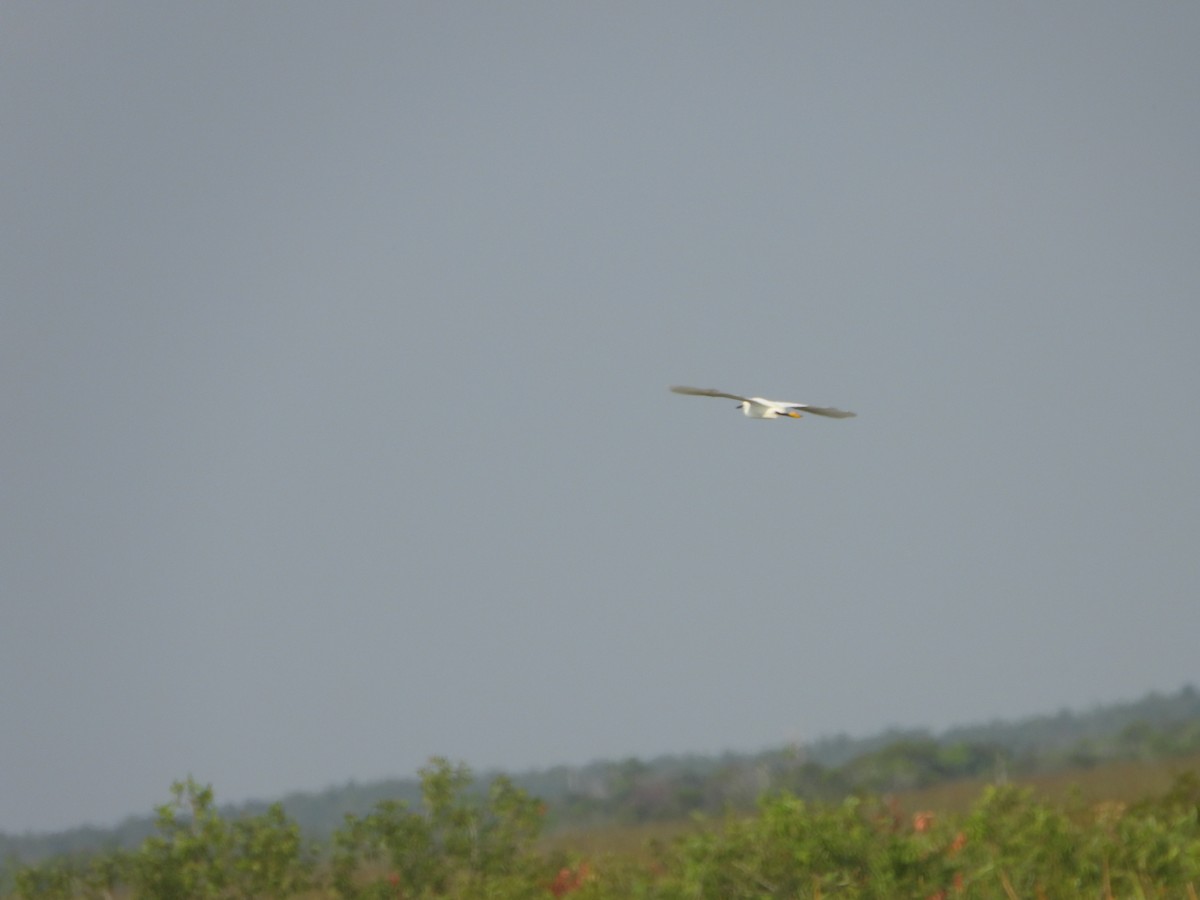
(761,408)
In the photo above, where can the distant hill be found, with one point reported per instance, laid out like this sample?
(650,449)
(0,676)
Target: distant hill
(1156,726)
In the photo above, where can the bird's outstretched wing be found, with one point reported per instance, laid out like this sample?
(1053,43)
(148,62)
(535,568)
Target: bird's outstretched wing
(707,392)
(823,411)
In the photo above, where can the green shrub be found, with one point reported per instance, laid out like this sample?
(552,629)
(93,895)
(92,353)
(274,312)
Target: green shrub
(469,844)
(460,845)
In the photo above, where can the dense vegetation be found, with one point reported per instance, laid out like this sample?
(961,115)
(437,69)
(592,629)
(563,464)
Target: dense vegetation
(464,845)
(798,822)
(670,788)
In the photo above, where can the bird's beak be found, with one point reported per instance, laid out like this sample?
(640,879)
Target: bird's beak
(793,414)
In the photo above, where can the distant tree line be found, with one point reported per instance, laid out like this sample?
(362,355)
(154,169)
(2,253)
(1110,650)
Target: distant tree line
(674,787)
(460,844)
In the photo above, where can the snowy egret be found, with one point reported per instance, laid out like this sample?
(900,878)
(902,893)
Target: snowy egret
(758,408)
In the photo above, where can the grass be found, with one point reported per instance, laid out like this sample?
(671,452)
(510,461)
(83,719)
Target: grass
(619,852)
(1116,782)
(634,842)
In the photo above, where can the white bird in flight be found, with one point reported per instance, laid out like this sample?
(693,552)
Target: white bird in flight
(758,408)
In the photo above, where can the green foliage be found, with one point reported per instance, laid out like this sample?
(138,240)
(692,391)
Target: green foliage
(461,845)
(918,763)
(670,788)
(194,853)
(468,843)
(790,849)
(63,879)
(1028,847)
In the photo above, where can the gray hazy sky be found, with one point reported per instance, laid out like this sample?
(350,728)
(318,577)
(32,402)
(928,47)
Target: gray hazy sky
(335,341)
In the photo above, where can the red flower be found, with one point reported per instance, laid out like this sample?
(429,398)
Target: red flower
(568,880)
